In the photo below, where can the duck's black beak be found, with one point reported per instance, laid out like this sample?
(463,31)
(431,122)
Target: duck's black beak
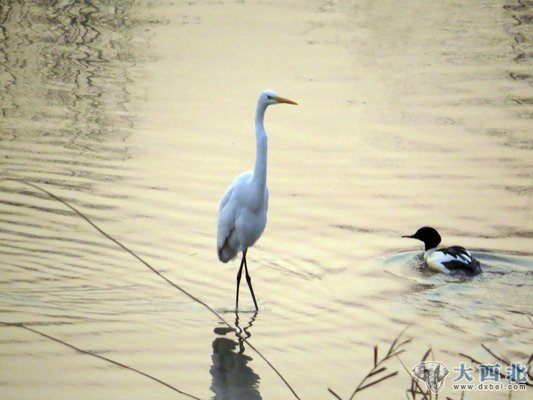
(409,236)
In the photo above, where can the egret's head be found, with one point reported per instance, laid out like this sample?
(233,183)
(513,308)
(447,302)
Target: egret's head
(428,235)
(270,97)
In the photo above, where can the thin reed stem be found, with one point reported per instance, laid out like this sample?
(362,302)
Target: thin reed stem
(109,360)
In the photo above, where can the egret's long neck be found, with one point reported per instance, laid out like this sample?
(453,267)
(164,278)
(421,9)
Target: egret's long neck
(260,169)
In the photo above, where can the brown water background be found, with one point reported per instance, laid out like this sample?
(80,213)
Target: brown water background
(140,114)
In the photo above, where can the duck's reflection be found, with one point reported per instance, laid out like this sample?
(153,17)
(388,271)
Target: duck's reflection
(231,375)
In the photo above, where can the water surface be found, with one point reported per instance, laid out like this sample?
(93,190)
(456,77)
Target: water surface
(139,114)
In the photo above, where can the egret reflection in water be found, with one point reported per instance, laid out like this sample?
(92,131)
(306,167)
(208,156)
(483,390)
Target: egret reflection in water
(231,373)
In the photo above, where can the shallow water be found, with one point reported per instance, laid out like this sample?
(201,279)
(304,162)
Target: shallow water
(140,114)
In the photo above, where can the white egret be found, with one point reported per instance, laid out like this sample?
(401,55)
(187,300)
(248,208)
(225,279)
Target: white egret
(242,213)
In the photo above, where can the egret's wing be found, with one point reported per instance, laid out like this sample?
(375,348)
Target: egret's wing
(227,214)
(226,219)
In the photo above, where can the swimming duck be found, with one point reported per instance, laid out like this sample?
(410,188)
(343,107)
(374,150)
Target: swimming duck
(448,260)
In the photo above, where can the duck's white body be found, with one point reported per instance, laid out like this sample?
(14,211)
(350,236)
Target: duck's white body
(449,259)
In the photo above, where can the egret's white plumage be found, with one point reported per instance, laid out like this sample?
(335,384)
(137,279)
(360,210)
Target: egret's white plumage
(242,217)
(242,213)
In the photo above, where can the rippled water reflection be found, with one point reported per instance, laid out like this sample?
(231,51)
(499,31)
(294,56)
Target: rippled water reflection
(139,114)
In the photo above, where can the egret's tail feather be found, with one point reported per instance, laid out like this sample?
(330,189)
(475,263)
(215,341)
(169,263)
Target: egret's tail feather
(225,254)
(228,248)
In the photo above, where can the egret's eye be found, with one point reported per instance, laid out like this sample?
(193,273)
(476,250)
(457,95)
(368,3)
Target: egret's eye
(269,97)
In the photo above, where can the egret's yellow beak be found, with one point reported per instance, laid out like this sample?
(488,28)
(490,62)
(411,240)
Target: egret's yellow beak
(284,100)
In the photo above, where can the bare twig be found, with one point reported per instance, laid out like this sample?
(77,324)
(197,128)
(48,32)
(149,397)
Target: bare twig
(394,348)
(378,368)
(109,360)
(377,371)
(334,394)
(501,359)
(414,381)
(378,380)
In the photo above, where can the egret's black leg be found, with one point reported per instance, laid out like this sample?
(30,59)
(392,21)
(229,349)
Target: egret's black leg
(249,281)
(239,281)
